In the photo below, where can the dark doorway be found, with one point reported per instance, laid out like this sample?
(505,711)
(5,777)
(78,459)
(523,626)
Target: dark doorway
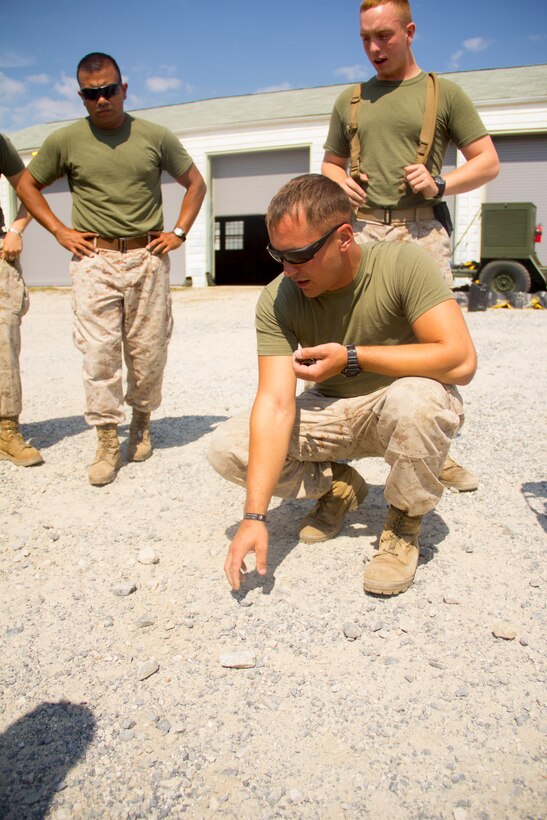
(241,257)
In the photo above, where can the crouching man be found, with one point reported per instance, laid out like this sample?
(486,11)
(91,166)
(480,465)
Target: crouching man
(378,332)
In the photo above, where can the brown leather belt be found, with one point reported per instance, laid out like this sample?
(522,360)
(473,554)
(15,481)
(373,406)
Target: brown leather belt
(387,216)
(123,244)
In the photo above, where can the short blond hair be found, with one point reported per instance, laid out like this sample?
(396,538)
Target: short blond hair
(402,6)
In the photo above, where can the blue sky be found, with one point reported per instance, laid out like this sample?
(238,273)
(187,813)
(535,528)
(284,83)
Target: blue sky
(173,51)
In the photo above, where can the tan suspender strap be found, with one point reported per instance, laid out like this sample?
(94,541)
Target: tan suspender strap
(353,133)
(430,118)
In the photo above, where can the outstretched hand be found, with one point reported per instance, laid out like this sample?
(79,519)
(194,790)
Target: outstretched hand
(252,536)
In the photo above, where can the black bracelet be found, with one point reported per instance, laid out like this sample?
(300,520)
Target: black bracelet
(254,516)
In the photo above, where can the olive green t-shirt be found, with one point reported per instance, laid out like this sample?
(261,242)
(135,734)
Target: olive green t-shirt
(394,285)
(10,164)
(114,176)
(390,120)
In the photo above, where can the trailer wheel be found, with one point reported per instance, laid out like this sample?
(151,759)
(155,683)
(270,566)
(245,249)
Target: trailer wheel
(505,276)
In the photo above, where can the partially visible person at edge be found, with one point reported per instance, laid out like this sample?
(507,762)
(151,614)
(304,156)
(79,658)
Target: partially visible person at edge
(120,264)
(379,333)
(393,195)
(14,303)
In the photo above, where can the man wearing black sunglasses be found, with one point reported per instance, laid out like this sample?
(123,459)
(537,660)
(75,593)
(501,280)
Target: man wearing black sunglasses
(378,332)
(120,263)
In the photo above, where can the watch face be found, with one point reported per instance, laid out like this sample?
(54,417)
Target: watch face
(179,232)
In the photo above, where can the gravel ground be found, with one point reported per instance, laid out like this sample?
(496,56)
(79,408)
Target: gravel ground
(115,612)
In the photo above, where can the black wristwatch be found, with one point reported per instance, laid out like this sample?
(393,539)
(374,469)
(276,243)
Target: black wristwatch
(441,186)
(352,368)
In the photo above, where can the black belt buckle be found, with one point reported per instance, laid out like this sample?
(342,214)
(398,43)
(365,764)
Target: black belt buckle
(122,244)
(387,216)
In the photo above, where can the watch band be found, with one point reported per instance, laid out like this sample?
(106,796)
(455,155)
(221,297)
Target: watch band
(180,232)
(352,368)
(441,185)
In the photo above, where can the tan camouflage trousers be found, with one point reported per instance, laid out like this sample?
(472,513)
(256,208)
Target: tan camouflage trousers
(428,233)
(122,306)
(14,303)
(410,424)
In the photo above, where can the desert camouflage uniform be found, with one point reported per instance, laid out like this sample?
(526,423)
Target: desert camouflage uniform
(428,233)
(114,290)
(411,423)
(14,303)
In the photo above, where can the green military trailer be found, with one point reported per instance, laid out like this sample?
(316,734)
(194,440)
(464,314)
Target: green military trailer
(508,261)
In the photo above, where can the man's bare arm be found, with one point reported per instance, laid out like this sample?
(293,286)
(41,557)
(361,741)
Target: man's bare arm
(195,193)
(336,168)
(445,352)
(13,241)
(482,165)
(29,191)
(271,425)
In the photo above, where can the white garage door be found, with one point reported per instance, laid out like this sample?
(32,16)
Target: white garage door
(523,177)
(245,183)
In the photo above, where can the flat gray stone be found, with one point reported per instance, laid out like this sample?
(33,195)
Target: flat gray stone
(124,589)
(147,668)
(238,659)
(352,631)
(504,630)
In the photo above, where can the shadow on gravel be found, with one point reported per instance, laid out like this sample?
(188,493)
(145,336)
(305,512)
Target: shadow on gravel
(367,522)
(45,434)
(535,495)
(37,752)
(167,432)
(177,431)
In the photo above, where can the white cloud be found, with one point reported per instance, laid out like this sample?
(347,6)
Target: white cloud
(268,88)
(10,88)
(473,44)
(10,59)
(353,73)
(476,44)
(161,84)
(67,87)
(39,79)
(42,109)
(455,58)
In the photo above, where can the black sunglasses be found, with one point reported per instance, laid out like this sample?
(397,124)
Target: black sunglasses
(106,91)
(300,255)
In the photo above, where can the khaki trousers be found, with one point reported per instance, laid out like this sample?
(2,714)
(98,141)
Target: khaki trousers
(410,424)
(14,303)
(428,233)
(121,304)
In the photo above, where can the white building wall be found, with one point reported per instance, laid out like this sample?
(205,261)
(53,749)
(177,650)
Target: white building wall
(202,147)
(499,118)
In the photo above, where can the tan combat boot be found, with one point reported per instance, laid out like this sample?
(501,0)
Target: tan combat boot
(457,477)
(348,490)
(139,446)
(107,458)
(13,446)
(393,566)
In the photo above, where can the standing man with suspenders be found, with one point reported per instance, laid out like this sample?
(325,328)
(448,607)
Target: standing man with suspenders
(394,181)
